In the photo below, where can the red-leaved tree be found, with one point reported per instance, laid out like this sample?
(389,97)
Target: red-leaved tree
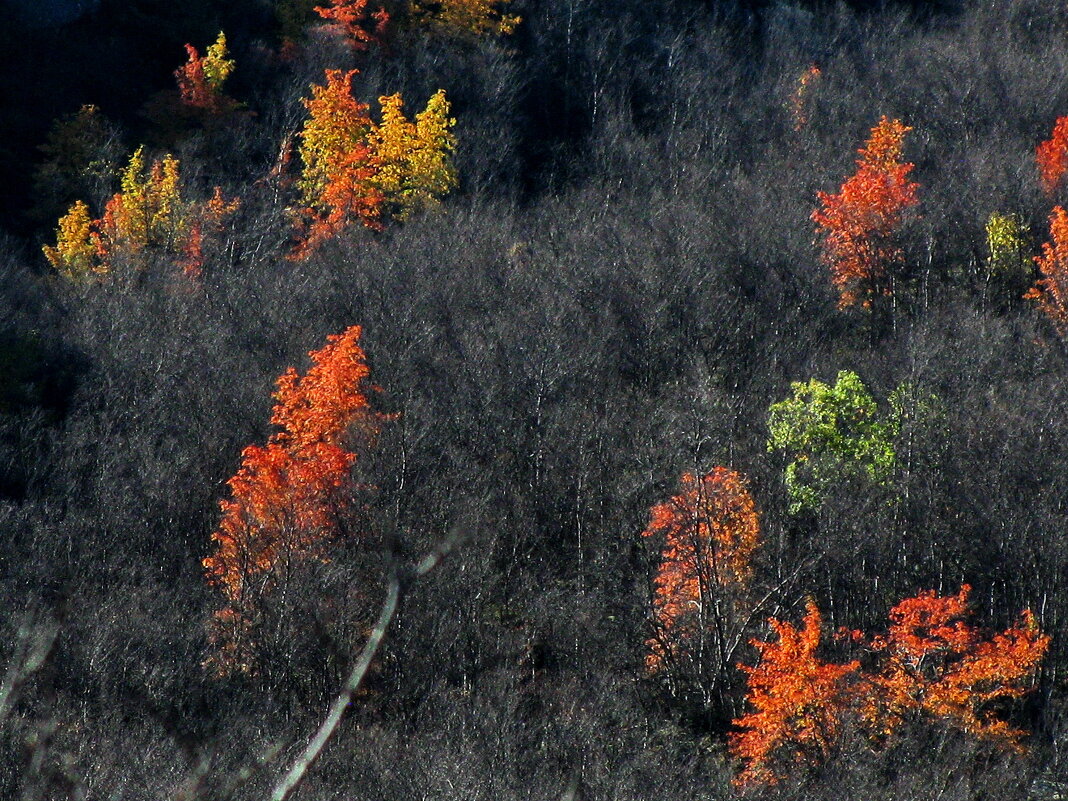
(336,183)
(360,26)
(935,664)
(932,664)
(288,499)
(709,533)
(201,78)
(1051,290)
(798,702)
(1052,157)
(857,226)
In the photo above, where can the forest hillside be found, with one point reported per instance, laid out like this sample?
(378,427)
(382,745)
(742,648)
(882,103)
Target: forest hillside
(596,399)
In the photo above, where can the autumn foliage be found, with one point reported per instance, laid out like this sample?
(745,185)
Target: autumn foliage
(936,664)
(359,171)
(932,664)
(1051,290)
(149,213)
(801,100)
(336,183)
(361,26)
(201,78)
(413,159)
(857,225)
(710,531)
(287,498)
(1052,157)
(797,700)
(464,19)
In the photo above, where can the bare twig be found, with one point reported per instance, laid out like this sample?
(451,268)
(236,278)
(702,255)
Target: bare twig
(33,645)
(398,583)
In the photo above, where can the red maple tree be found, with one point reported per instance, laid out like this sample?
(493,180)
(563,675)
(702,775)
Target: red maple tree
(798,700)
(360,26)
(1052,157)
(858,224)
(931,664)
(936,664)
(1050,292)
(288,498)
(708,532)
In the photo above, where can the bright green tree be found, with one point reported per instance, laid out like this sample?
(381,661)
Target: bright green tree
(832,432)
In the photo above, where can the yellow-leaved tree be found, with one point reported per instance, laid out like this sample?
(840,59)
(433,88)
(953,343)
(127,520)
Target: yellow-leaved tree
(358,171)
(201,78)
(414,159)
(464,19)
(74,254)
(148,213)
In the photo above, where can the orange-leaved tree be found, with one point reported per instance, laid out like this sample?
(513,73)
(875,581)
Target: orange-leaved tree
(360,26)
(1051,290)
(932,664)
(709,533)
(1052,157)
(935,664)
(201,78)
(288,499)
(75,254)
(357,170)
(801,100)
(338,166)
(858,225)
(798,700)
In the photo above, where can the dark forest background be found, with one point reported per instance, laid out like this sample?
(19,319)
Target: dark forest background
(623,283)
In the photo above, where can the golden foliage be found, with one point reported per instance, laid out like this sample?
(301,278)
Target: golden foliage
(338,167)
(147,214)
(74,254)
(356,170)
(464,18)
(201,79)
(414,160)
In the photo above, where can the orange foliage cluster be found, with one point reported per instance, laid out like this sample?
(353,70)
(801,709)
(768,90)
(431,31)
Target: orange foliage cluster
(858,223)
(931,663)
(360,26)
(798,701)
(1052,157)
(286,498)
(208,222)
(936,663)
(336,185)
(711,530)
(1051,290)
